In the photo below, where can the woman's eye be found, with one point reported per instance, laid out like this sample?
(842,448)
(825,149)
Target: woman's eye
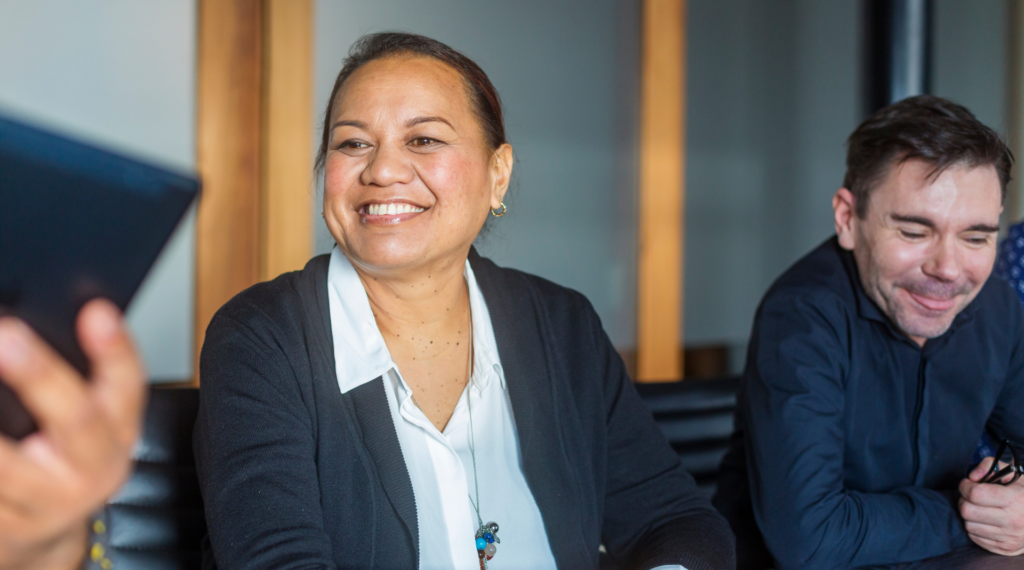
(353,145)
(423,141)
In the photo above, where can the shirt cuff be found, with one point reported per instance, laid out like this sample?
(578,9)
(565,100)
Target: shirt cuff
(96,557)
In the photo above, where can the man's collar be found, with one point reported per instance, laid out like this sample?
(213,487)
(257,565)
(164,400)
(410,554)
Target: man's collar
(360,353)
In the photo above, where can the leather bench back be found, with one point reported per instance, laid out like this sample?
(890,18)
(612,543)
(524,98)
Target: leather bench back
(696,417)
(156,520)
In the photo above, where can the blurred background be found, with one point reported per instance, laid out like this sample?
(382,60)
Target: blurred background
(770,91)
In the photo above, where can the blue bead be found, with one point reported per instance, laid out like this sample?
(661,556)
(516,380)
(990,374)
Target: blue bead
(489,537)
(481,544)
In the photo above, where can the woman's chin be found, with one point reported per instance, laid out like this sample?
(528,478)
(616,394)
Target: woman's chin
(384,255)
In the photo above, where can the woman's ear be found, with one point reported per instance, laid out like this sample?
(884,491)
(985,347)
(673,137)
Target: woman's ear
(845,208)
(501,174)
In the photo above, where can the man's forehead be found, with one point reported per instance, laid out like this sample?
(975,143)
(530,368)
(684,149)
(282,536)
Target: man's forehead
(959,193)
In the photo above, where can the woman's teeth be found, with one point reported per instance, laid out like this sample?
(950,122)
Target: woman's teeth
(391,209)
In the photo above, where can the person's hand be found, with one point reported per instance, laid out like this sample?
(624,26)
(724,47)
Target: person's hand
(51,481)
(993,514)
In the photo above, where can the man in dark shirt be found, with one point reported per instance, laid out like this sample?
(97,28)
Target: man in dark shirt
(878,360)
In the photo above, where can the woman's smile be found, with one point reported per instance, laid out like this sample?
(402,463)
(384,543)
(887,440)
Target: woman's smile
(389,213)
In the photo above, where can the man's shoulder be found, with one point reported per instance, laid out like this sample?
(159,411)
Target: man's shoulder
(997,306)
(823,276)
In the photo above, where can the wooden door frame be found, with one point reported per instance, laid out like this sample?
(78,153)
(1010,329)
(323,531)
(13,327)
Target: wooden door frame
(662,191)
(254,112)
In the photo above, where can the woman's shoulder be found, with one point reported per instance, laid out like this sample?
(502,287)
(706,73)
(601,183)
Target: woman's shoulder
(508,281)
(280,302)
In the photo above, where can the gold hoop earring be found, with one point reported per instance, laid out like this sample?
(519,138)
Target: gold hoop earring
(504,209)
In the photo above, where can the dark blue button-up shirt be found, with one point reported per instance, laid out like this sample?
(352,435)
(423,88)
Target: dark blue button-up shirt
(851,439)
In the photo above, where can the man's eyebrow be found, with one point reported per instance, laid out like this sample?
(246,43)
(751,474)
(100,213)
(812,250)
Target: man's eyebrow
(913,220)
(983,228)
(356,124)
(421,120)
(987,228)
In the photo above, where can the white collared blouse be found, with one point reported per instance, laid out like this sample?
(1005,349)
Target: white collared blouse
(440,463)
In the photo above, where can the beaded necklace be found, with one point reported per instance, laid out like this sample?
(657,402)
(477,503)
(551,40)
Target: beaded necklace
(486,534)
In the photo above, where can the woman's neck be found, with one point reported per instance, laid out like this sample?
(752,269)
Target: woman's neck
(427,302)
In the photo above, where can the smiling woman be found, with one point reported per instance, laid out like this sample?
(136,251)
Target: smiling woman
(402,400)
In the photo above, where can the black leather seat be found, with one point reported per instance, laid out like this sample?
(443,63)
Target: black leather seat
(696,417)
(156,521)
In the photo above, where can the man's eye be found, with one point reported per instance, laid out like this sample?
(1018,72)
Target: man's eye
(911,235)
(978,240)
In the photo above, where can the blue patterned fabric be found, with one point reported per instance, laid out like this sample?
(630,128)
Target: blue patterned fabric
(986,448)
(1010,261)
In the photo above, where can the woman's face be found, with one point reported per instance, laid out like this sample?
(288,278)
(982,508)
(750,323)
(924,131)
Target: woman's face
(408,178)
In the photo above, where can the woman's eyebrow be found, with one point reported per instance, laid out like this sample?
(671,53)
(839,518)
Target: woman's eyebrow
(421,120)
(356,124)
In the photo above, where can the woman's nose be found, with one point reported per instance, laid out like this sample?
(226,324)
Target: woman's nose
(387,166)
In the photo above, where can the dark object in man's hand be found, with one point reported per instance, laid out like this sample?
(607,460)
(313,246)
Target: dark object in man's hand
(76,223)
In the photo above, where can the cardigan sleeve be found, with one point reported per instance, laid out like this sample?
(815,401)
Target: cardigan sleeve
(255,450)
(654,514)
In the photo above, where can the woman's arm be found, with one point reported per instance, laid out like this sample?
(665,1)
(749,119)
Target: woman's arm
(255,452)
(654,514)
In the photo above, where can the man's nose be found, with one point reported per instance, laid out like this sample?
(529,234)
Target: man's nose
(944,263)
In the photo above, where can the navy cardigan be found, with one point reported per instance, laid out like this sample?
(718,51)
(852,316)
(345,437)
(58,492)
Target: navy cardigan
(297,475)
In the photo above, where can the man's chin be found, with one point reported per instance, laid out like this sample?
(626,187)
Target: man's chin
(926,328)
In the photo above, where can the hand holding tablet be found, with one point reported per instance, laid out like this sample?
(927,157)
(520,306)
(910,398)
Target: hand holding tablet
(76,223)
(53,479)
(79,229)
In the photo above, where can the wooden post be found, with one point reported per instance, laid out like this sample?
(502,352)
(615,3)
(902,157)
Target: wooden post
(287,160)
(662,156)
(254,113)
(228,143)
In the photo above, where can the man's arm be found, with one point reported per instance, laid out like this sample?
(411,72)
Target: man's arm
(994,515)
(53,479)
(794,409)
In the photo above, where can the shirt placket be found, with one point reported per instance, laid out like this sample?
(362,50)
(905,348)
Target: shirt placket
(453,483)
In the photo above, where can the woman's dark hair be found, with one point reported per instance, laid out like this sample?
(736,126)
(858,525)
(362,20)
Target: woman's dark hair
(924,127)
(482,94)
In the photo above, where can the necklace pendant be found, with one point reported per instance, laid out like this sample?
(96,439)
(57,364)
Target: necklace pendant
(486,537)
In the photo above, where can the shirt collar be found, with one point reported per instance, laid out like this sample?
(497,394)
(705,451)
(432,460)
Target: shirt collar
(360,352)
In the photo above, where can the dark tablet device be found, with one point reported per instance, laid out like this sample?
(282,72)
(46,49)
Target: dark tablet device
(76,223)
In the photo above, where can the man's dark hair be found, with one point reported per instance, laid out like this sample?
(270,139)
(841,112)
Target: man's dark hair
(924,127)
(482,94)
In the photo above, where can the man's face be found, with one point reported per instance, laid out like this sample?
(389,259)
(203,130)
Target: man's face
(926,244)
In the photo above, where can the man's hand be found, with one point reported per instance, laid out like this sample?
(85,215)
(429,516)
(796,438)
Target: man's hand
(51,481)
(993,514)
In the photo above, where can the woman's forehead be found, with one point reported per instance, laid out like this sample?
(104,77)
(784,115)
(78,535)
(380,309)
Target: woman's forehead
(403,85)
